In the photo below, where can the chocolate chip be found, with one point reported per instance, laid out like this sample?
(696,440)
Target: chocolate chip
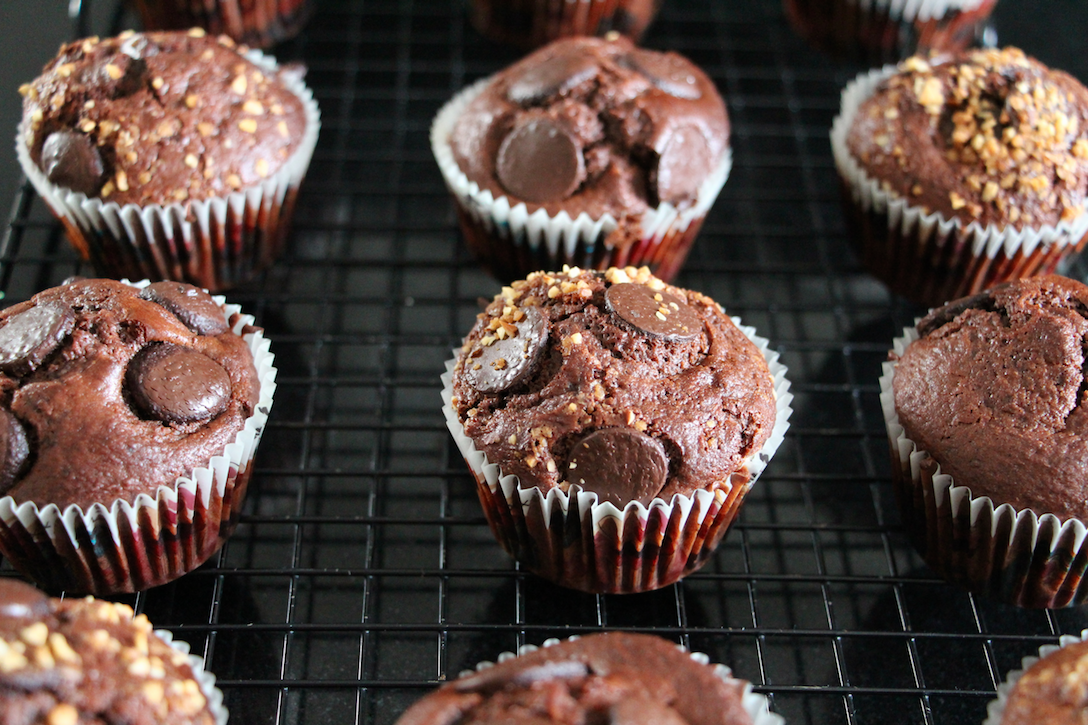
(494,678)
(619,465)
(71,160)
(192,305)
(667,71)
(551,77)
(946,313)
(683,164)
(661,314)
(21,601)
(14,450)
(175,384)
(508,362)
(540,161)
(28,337)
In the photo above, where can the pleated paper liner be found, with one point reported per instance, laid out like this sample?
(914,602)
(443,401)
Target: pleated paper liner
(883,31)
(995,711)
(531,23)
(511,243)
(1011,555)
(577,542)
(924,256)
(205,679)
(126,546)
(257,23)
(215,243)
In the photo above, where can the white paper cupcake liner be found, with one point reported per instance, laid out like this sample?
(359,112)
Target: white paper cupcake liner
(513,242)
(755,705)
(573,540)
(205,679)
(925,256)
(125,546)
(1012,555)
(257,23)
(995,711)
(531,23)
(213,243)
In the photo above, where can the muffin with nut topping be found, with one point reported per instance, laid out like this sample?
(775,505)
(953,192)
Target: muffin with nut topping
(168,155)
(68,661)
(134,410)
(594,405)
(960,172)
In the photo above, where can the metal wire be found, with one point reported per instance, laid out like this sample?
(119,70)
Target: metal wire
(363,573)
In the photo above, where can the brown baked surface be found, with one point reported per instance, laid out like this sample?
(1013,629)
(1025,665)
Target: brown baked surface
(994,390)
(613,677)
(617,117)
(89,661)
(172,116)
(1054,690)
(705,400)
(90,440)
(992,136)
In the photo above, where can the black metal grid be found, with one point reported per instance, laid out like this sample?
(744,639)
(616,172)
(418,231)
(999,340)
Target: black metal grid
(363,573)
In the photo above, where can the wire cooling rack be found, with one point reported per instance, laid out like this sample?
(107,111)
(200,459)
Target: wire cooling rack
(363,572)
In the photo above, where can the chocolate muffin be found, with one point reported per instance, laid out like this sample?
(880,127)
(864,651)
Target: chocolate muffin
(592,139)
(984,408)
(167,121)
(613,677)
(1054,690)
(258,23)
(91,661)
(532,23)
(964,171)
(115,393)
(618,387)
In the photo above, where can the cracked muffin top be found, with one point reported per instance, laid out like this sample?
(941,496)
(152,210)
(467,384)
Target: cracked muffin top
(995,391)
(615,677)
(158,118)
(69,661)
(614,381)
(992,136)
(595,126)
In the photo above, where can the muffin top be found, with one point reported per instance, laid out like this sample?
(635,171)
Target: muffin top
(1054,690)
(616,382)
(995,391)
(596,126)
(158,118)
(107,391)
(992,136)
(613,677)
(64,661)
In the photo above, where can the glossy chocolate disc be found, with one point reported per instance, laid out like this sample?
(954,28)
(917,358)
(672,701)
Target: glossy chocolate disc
(667,71)
(619,465)
(539,161)
(660,314)
(175,384)
(14,449)
(684,164)
(192,305)
(551,77)
(71,159)
(27,338)
(508,362)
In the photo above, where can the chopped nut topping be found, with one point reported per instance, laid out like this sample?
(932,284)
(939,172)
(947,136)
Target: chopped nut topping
(239,85)
(191,161)
(196,32)
(87,126)
(191,100)
(253,107)
(121,180)
(248,125)
(62,714)
(205,128)
(233,181)
(261,167)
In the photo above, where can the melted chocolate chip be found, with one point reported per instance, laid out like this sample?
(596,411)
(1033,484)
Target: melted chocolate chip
(71,160)
(667,71)
(508,362)
(660,314)
(27,338)
(175,384)
(14,449)
(192,305)
(539,161)
(21,601)
(619,465)
(551,77)
(494,678)
(683,165)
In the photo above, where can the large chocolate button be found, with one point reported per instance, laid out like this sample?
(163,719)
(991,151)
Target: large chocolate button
(71,160)
(14,449)
(551,77)
(619,465)
(21,601)
(667,71)
(661,314)
(540,161)
(192,305)
(508,362)
(174,384)
(27,338)
(684,163)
